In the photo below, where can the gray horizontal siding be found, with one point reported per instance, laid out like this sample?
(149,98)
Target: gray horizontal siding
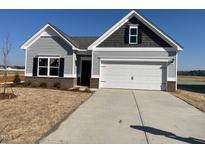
(50,46)
(172,67)
(130,54)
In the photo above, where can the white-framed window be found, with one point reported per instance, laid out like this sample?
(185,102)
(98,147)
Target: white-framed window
(48,66)
(133,34)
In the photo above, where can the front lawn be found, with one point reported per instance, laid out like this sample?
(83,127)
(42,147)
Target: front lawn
(34,112)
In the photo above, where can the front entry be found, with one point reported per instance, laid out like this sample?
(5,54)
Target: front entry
(85,72)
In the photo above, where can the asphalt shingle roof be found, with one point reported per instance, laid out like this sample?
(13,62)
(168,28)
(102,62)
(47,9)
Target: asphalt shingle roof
(65,35)
(81,42)
(84,41)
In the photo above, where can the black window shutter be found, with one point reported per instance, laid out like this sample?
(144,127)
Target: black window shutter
(35,66)
(126,35)
(139,36)
(61,71)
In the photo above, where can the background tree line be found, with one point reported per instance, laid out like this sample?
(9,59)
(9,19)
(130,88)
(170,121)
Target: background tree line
(192,73)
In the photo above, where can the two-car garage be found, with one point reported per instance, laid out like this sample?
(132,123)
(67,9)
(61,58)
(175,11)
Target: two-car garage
(134,54)
(133,74)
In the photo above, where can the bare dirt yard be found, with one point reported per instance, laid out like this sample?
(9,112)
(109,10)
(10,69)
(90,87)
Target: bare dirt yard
(192,90)
(26,118)
(193,98)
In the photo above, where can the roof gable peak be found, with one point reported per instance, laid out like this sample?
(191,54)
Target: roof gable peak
(134,13)
(38,34)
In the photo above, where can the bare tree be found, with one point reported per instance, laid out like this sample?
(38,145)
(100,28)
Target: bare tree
(6,50)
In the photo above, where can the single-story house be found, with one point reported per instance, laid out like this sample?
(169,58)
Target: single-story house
(132,54)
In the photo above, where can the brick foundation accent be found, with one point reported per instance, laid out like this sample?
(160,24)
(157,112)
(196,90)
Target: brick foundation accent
(64,82)
(171,86)
(94,83)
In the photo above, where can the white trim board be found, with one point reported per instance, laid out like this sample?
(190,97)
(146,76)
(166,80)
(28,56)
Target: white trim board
(135,49)
(25,62)
(171,79)
(137,60)
(133,13)
(176,59)
(92,64)
(74,68)
(69,76)
(28,74)
(95,76)
(65,75)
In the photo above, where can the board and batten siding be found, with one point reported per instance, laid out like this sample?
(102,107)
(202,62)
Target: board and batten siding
(50,46)
(131,55)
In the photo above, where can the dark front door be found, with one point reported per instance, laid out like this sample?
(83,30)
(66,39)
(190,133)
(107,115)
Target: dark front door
(85,73)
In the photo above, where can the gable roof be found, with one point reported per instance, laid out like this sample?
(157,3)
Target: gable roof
(133,13)
(70,41)
(77,42)
(90,42)
(65,35)
(84,41)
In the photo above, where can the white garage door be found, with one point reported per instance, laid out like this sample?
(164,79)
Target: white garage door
(133,75)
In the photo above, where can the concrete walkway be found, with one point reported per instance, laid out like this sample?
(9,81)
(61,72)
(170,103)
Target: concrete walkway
(117,116)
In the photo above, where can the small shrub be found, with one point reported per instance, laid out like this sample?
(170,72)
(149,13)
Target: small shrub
(27,83)
(43,84)
(17,79)
(56,85)
(7,96)
(34,85)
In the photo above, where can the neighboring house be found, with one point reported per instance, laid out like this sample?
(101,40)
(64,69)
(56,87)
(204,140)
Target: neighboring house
(132,54)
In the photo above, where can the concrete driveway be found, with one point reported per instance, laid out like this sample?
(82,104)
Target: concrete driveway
(131,116)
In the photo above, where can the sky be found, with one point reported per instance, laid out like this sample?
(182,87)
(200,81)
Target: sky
(187,27)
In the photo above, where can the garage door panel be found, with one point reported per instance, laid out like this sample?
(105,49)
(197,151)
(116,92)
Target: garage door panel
(128,79)
(132,86)
(133,75)
(138,72)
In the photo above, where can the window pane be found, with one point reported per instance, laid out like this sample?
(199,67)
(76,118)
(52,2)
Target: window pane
(133,39)
(133,31)
(54,62)
(43,61)
(43,71)
(53,71)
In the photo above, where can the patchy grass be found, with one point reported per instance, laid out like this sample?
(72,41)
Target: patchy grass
(191,78)
(192,83)
(192,88)
(193,98)
(34,112)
